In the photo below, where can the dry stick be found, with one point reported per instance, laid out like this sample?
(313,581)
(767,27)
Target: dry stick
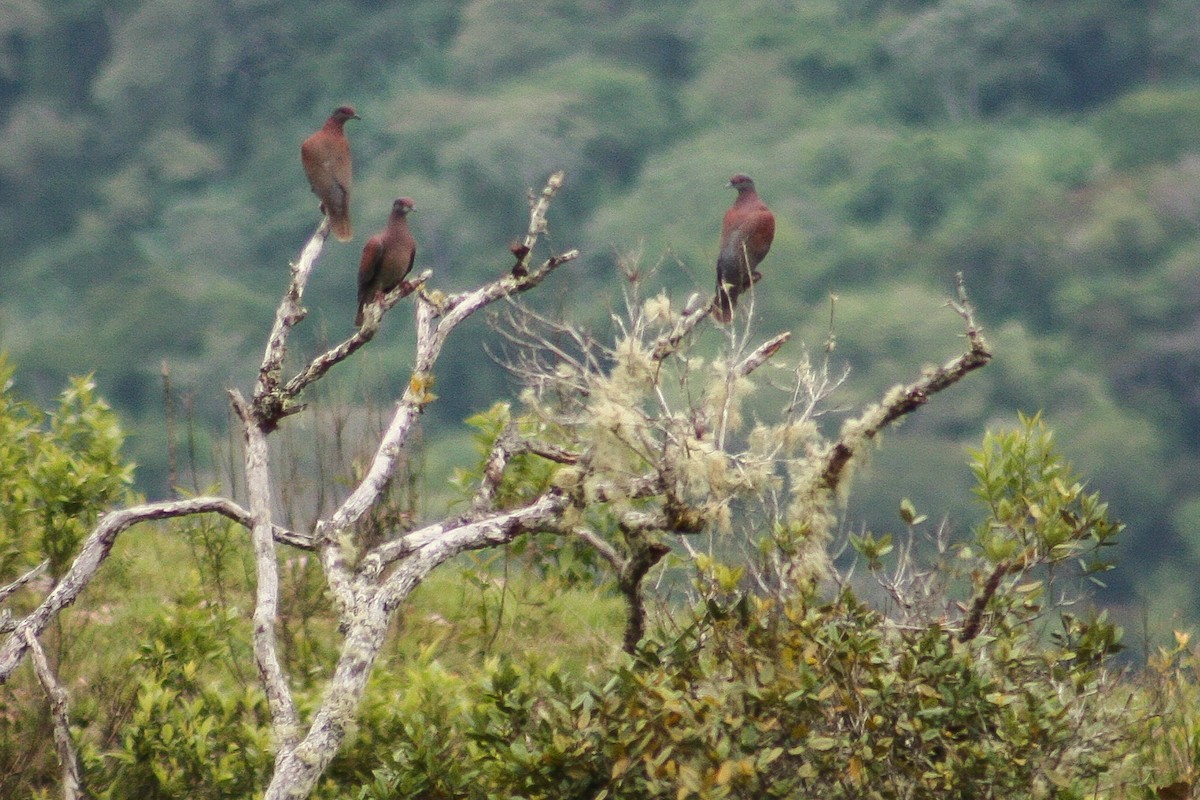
(96,548)
(72,780)
(669,343)
(169,408)
(503,450)
(761,353)
(537,222)
(290,312)
(908,398)
(317,368)
(24,579)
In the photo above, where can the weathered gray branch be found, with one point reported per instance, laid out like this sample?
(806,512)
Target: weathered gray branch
(761,353)
(290,312)
(436,320)
(24,579)
(366,597)
(96,548)
(284,716)
(68,757)
(317,368)
(298,769)
(503,450)
(537,223)
(909,398)
(668,343)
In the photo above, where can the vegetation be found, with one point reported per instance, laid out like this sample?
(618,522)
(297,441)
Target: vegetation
(1046,150)
(797,642)
(968,675)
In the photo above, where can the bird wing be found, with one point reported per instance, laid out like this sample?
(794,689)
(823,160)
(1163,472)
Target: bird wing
(368,267)
(759,232)
(412,257)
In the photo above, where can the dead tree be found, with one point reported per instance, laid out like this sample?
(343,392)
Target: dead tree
(661,458)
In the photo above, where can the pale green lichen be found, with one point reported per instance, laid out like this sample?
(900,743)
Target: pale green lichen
(657,310)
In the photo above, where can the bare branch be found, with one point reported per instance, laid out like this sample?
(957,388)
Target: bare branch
(95,549)
(285,717)
(761,353)
(551,452)
(6,591)
(906,399)
(290,312)
(437,317)
(317,368)
(298,769)
(669,342)
(597,543)
(503,450)
(441,540)
(537,223)
(68,757)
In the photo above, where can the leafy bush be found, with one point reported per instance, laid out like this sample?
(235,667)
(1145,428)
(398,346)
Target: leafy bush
(189,733)
(798,696)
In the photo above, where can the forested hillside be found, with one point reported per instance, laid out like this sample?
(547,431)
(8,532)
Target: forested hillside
(152,198)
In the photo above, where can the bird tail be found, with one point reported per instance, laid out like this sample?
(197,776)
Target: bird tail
(341,227)
(723,303)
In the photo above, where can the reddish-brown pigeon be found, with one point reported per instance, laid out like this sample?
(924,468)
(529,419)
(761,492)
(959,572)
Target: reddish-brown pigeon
(326,159)
(746,235)
(386,257)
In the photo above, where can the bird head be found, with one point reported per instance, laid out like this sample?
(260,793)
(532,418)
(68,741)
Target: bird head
(741,182)
(343,113)
(403,206)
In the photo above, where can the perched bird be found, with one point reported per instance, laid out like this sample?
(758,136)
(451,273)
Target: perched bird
(746,235)
(386,258)
(326,159)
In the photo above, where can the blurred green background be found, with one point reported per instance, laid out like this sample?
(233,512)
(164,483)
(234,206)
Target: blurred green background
(151,198)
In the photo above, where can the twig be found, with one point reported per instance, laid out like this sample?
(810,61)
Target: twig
(537,222)
(906,399)
(594,541)
(169,410)
(504,448)
(668,343)
(761,353)
(24,579)
(320,365)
